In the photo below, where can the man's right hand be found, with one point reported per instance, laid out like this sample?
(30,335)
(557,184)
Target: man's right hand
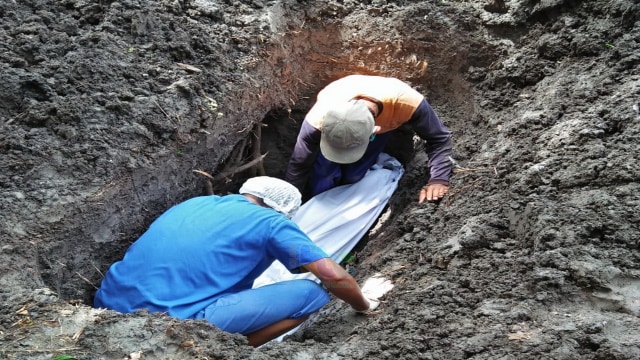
(374,288)
(372,306)
(433,192)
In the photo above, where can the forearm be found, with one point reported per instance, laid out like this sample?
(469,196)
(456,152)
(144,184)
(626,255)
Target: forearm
(347,290)
(338,282)
(439,164)
(430,128)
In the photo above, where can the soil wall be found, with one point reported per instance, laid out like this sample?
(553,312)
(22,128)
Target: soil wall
(107,108)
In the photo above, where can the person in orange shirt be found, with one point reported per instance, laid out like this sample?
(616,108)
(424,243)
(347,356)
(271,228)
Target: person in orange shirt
(348,127)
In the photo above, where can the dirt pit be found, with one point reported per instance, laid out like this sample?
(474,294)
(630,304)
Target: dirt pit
(107,108)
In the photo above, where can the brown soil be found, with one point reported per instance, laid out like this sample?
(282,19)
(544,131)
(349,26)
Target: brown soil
(108,107)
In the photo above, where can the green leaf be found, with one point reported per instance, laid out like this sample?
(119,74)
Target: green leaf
(349,259)
(64,357)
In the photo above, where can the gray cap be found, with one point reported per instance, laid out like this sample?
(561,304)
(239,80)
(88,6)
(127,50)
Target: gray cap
(346,129)
(275,193)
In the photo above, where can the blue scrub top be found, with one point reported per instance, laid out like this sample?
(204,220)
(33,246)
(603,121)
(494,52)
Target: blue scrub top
(200,249)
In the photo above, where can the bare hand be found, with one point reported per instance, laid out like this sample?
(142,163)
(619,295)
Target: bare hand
(433,192)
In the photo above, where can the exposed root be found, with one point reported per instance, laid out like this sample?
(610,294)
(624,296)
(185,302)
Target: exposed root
(86,280)
(255,166)
(460,169)
(227,175)
(255,146)
(457,191)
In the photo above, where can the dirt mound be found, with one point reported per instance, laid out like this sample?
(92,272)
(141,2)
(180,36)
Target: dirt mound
(107,108)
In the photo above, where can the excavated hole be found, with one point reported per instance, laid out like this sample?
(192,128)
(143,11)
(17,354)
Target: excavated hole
(278,135)
(136,198)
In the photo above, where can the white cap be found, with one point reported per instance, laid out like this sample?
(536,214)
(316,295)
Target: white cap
(275,193)
(346,130)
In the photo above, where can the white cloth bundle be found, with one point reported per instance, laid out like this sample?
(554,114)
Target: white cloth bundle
(338,218)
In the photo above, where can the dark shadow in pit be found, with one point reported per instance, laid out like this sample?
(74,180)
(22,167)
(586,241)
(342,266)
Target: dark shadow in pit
(279,132)
(277,136)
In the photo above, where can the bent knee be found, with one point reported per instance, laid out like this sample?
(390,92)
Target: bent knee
(314,297)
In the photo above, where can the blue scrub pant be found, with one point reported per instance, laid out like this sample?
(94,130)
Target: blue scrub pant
(250,310)
(326,175)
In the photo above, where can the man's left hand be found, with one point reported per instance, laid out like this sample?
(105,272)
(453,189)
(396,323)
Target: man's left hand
(433,192)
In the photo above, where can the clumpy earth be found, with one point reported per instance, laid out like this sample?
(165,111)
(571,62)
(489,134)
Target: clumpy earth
(113,111)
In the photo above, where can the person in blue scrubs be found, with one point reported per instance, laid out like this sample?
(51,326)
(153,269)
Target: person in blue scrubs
(199,260)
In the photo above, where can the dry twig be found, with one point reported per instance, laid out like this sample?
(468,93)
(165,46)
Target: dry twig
(188,68)
(399,267)
(164,112)
(460,169)
(86,280)
(95,267)
(257,133)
